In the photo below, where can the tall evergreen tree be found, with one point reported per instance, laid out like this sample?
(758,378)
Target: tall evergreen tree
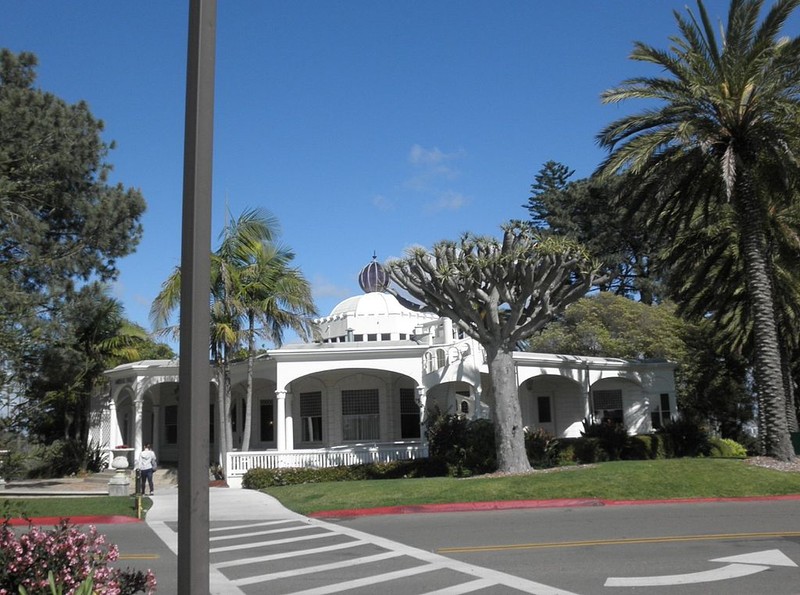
(589,211)
(92,335)
(60,220)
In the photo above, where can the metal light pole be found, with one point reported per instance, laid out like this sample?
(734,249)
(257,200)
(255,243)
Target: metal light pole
(193,372)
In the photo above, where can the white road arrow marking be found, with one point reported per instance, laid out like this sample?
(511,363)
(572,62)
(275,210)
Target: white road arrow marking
(768,557)
(739,566)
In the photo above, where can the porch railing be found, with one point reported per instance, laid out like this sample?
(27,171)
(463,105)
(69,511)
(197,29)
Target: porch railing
(239,463)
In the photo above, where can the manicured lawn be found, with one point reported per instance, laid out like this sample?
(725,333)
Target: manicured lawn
(621,480)
(70,507)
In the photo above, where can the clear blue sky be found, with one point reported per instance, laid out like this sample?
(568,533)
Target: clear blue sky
(363,126)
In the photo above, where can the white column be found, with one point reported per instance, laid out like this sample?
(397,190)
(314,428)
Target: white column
(115,436)
(478,409)
(421,398)
(447,331)
(587,396)
(280,419)
(156,428)
(137,427)
(289,423)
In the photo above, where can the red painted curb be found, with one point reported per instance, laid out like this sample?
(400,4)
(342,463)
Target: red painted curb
(76,520)
(523,504)
(787,497)
(457,507)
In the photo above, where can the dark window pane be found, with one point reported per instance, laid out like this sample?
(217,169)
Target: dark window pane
(543,406)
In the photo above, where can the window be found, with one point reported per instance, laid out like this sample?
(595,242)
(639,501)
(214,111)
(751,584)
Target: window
(360,417)
(608,406)
(267,418)
(409,414)
(543,408)
(171,423)
(358,337)
(403,336)
(372,336)
(386,336)
(661,414)
(311,416)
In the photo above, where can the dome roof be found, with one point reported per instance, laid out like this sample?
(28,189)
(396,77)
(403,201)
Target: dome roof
(373,277)
(369,304)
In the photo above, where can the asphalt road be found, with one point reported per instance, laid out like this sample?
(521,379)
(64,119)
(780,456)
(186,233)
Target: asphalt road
(733,548)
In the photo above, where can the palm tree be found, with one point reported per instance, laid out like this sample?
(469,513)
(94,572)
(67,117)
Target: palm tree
(254,293)
(712,288)
(251,227)
(270,293)
(723,132)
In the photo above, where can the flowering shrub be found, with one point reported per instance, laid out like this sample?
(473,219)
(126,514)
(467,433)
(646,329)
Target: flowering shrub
(71,557)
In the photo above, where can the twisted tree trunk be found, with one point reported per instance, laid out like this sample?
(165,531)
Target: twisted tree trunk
(508,429)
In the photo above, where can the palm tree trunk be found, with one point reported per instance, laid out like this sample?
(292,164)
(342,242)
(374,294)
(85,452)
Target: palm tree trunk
(511,454)
(226,396)
(774,434)
(788,387)
(222,419)
(248,398)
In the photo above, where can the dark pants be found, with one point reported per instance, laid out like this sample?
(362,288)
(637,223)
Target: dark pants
(147,475)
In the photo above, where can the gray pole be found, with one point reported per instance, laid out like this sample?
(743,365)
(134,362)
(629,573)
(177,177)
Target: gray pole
(194,369)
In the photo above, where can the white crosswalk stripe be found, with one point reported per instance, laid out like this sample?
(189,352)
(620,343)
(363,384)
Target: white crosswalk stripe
(470,587)
(269,563)
(368,580)
(247,546)
(319,568)
(258,533)
(285,555)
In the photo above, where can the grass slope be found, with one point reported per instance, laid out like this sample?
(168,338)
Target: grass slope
(621,480)
(70,507)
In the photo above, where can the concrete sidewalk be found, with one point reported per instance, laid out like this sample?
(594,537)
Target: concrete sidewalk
(225,504)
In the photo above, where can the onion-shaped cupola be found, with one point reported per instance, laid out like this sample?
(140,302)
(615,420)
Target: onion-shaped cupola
(373,277)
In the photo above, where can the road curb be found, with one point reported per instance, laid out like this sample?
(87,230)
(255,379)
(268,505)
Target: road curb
(526,504)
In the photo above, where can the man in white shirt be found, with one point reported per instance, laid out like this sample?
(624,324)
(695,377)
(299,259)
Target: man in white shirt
(147,464)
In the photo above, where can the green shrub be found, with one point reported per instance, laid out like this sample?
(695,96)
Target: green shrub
(542,448)
(12,465)
(749,442)
(589,450)
(468,447)
(444,433)
(480,453)
(565,453)
(62,458)
(612,438)
(259,478)
(637,448)
(727,448)
(685,437)
(447,435)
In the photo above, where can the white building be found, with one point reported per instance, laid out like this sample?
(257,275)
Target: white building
(361,391)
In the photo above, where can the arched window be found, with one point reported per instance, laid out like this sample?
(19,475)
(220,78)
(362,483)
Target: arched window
(441,358)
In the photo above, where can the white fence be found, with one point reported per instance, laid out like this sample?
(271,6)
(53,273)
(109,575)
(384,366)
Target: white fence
(239,463)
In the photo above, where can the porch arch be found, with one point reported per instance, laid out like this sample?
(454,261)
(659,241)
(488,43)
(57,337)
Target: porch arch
(557,404)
